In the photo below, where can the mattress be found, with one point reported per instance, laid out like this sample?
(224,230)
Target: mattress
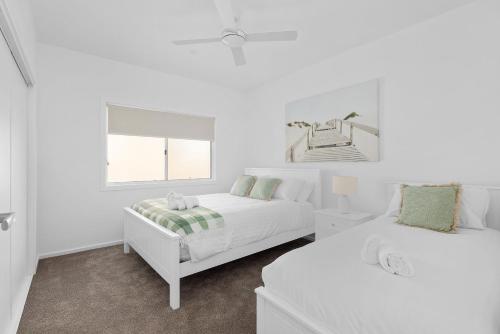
(456,288)
(246,220)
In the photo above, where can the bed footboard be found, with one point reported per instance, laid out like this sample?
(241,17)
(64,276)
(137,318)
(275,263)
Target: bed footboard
(277,316)
(159,247)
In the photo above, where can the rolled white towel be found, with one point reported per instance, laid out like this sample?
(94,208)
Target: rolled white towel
(191,202)
(171,202)
(175,201)
(395,262)
(181,204)
(372,244)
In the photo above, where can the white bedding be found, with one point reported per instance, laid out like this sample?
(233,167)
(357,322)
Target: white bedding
(246,220)
(455,290)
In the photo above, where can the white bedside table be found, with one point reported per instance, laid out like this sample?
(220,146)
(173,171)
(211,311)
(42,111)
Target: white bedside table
(330,221)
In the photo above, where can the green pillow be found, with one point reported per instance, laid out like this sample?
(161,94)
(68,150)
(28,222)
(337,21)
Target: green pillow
(435,207)
(243,185)
(264,188)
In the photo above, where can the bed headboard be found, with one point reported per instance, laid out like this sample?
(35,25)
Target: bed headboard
(310,175)
(493,215)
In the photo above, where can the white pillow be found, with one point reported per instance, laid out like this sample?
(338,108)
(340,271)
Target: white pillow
(289,189)
(306,192)
(395,204)
(473,207)
(475,204)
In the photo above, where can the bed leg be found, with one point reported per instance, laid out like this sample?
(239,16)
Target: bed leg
(175,294)
(260,313)
(126,248)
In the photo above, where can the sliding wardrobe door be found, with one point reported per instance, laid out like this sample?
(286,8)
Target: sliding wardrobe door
(14,278)
(18,193)
(5,171)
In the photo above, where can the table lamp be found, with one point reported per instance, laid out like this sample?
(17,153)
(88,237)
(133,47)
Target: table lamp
(343,186)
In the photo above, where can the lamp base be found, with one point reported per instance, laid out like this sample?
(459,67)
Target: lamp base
(343,205)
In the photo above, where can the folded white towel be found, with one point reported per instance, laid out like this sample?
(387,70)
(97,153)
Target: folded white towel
(369,253)
(376,250)
(191,202)
(395,262)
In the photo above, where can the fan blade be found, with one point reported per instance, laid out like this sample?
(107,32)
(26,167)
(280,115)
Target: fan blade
(238,56)
(197,41)
(275,36)
(226,13)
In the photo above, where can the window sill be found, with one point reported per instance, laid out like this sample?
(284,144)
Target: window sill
(114,186)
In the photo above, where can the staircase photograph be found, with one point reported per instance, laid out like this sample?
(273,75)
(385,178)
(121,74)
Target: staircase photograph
(337,126)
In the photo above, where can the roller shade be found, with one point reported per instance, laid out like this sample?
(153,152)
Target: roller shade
(147,123)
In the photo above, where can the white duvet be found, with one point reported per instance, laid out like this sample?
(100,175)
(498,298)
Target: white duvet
(455,290)
(246,220)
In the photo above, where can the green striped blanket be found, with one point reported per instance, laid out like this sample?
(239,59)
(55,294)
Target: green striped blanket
(182,222)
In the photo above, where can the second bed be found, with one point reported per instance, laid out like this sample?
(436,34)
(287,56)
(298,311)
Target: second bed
(250,226)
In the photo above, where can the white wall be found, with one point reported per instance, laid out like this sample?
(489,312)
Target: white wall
(72,211)
(439,120)
(440,101)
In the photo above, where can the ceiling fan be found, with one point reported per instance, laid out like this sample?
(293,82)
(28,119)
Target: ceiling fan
(234,37)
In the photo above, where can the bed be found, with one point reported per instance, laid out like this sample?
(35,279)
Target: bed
(250,226)
(325,287)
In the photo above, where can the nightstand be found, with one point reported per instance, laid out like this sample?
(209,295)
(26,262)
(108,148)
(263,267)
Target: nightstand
(330,221)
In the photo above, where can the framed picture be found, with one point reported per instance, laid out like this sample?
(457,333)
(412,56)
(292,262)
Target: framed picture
(341,125)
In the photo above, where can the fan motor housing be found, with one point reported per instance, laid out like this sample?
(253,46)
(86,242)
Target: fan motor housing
(233,38)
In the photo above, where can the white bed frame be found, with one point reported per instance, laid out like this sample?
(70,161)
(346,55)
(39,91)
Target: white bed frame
(160,248)
(275,315)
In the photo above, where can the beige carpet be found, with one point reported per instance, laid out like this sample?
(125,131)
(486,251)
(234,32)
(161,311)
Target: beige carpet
(106,291)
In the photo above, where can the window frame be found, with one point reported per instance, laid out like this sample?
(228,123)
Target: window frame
(103,161)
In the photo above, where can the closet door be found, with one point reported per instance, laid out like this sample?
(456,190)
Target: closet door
(18,186)
(5,171)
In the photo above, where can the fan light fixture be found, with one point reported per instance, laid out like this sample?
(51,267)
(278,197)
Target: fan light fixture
(233,37)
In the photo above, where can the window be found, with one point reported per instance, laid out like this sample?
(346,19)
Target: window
(133,158)
(157,146)
(188,159)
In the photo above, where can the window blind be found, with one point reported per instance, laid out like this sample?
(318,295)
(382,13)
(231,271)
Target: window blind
(147,123)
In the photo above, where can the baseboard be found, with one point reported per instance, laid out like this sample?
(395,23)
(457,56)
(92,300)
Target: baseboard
(18,305)
(79,249)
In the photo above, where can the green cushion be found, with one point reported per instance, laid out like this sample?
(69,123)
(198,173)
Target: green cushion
(264,188)
(434,207)
(243,185)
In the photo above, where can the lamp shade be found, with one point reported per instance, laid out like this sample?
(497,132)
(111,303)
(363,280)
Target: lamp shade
(344,185)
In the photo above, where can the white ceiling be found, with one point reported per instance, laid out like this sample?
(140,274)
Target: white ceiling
(140,32)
